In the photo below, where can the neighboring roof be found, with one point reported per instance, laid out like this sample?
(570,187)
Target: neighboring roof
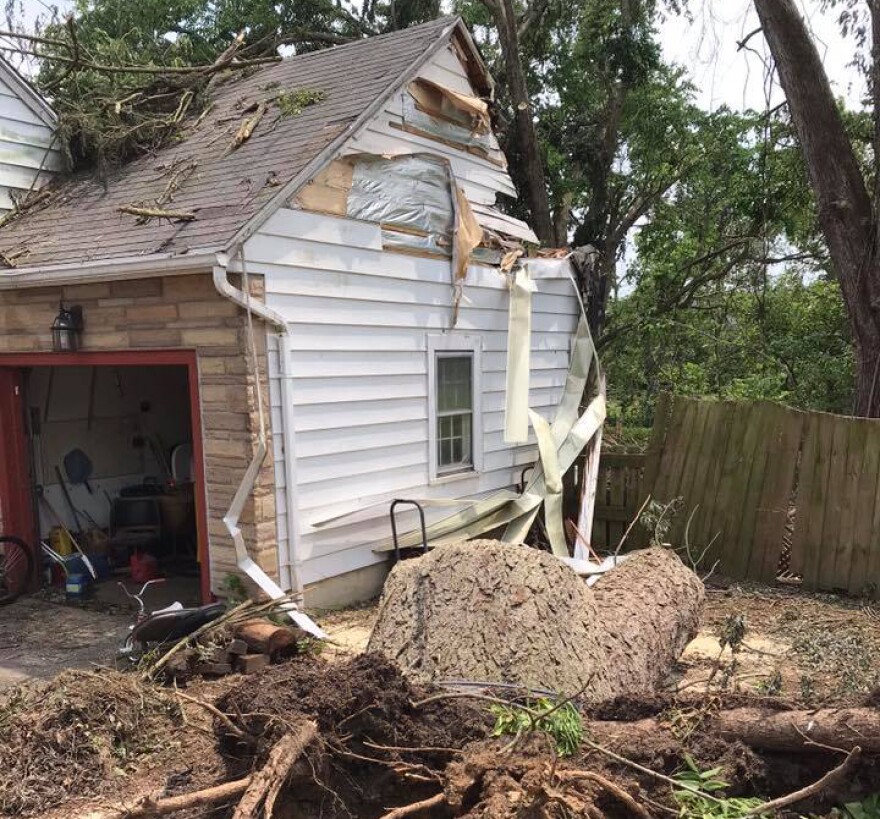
(27,93)
(82,222)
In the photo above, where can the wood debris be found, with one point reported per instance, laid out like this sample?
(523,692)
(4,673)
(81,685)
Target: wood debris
(146,213)
(243,134)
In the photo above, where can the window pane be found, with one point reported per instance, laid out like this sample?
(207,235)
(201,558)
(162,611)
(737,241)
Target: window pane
(454,440)
(454,383)
(467,450)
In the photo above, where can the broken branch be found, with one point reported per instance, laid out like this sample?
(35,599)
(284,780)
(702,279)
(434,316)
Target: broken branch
(158,213)
(243,134)
(267,783)
(615,790)
(828,781)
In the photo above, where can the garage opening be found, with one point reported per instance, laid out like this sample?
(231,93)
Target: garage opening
(110,454)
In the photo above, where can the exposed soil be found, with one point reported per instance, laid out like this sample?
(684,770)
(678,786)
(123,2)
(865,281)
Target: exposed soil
(812,648)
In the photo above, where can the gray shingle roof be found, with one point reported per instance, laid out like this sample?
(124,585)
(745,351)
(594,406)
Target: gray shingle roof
(82,221)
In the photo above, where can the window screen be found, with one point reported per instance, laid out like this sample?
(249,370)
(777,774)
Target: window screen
(455,411)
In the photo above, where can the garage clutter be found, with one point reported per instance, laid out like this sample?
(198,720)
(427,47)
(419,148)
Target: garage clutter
(112,462)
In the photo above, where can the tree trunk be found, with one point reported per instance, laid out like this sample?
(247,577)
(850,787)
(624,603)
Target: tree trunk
(844,205)
(532,171)
(646,624)
(497,612)
(791,731)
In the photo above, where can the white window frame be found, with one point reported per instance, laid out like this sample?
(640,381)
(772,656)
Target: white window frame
(473,346)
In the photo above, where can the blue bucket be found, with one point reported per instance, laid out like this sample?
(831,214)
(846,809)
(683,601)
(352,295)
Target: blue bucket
(76,586)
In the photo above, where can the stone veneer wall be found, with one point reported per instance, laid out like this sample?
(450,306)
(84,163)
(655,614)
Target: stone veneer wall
(177,312)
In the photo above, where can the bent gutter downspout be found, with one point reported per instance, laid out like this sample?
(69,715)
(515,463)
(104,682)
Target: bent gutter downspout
(245,488)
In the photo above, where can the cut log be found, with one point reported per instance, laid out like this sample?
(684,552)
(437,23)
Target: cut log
(649,607)
(496,612)
(843,728)
(263,637)
(792,731)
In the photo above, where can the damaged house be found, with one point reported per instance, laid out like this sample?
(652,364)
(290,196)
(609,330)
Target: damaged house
(315,272)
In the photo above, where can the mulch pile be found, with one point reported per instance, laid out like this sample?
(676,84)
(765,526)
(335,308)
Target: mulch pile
(76,734)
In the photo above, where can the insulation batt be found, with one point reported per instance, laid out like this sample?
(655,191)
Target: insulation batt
(491,611)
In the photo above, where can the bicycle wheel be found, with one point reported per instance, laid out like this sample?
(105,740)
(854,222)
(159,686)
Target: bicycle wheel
(16,568)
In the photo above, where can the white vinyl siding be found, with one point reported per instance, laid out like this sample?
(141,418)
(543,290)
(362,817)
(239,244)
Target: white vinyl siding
(363,324)
(28,155)
(360,322)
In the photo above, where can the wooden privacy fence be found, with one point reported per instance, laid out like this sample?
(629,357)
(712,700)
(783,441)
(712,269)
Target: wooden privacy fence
(619,494)
(751,475)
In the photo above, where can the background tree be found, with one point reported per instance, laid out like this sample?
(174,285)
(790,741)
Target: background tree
(846,196)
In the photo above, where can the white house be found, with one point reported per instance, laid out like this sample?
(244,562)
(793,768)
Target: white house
(341,292)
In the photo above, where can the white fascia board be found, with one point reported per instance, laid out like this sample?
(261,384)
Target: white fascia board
(126,267)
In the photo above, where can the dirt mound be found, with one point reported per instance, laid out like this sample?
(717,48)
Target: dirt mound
(491,611)
(73,735)
(372,734)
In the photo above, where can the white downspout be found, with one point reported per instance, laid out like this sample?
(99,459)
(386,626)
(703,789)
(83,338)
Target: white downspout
(231,518)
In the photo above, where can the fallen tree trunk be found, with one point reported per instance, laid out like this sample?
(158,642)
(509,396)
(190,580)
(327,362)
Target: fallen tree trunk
(842,729)
(650,610)
(495,612)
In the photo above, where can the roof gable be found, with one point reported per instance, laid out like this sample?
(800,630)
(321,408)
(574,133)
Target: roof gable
(230,192)
(27,93)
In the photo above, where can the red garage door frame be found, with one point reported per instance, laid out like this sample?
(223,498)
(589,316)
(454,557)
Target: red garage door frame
(15,442)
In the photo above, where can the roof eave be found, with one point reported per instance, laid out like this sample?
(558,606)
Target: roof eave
(97,270)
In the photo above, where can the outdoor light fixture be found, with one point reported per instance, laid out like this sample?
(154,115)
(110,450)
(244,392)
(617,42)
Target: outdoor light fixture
(67,329)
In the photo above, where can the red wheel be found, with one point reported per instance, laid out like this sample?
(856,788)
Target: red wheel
(16,568)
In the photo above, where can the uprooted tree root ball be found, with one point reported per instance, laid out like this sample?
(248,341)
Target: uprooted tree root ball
(373,739)
(356,738)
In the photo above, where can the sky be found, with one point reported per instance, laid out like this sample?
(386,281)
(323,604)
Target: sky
(724,75)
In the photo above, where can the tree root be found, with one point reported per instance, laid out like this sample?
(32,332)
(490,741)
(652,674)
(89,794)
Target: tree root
(416,807)
(164,807)
(828,781)
(615,790)
(268,781)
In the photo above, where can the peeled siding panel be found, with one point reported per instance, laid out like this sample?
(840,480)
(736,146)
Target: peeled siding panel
(480,179)
(358,324)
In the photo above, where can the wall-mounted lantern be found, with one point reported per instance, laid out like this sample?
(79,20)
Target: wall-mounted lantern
(67,329)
